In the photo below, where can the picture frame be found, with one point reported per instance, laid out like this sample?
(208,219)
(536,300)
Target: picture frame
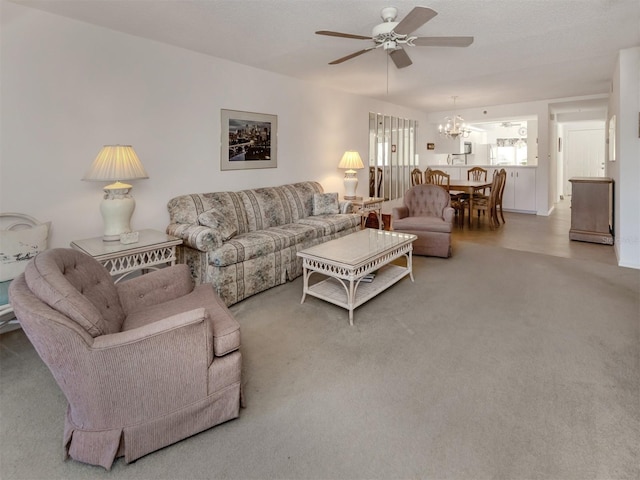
(248,140)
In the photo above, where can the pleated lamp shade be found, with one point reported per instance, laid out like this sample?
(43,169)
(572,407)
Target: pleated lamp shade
(351,161)
(116,162)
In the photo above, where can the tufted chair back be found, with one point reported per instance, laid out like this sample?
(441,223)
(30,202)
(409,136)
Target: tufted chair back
(426,200)
(77,286)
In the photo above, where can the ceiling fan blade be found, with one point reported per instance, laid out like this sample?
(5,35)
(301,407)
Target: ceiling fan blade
(414,20)
(349,57)
(342,35)
(400,58)
(443,41)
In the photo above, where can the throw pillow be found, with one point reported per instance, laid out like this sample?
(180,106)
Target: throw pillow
(214,219)
(324,203)
(17,247)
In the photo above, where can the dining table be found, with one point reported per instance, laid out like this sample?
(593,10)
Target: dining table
(470,187)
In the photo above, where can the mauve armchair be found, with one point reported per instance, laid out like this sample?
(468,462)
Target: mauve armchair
(143,363)
(427,213)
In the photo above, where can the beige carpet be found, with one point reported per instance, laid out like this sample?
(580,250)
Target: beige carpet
(493,364)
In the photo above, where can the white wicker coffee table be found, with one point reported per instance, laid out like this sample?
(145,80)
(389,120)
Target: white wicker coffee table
(348,259)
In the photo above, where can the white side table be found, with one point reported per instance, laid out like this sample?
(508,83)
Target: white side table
(366,205)
(153,248)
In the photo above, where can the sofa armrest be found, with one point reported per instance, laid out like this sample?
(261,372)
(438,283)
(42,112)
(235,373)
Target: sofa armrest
(399,212)
(155,287)
(196,236)
(345,206)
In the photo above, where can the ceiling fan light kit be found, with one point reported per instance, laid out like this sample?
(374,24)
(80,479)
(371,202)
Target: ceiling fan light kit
(392,36)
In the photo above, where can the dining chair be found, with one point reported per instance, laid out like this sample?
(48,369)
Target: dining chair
(477,174)
(503,174)
(416,177)
(374,187)
(439,177)
(487,204)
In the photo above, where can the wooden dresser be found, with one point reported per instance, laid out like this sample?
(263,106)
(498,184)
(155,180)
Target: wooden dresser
(592,210)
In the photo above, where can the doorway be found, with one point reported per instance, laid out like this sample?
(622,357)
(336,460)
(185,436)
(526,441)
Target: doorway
(583,153)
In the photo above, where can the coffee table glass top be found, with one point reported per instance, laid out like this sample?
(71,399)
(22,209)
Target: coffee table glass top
(358,247)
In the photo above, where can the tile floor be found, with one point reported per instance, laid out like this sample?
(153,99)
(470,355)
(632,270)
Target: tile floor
(536,233)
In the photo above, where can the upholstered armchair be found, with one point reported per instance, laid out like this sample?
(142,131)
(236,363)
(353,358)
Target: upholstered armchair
(427,213)
(143,363)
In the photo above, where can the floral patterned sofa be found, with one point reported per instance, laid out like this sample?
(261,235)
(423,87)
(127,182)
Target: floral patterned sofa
(246,242)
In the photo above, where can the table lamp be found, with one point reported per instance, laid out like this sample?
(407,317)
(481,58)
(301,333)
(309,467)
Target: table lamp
(351,161)
(113,164)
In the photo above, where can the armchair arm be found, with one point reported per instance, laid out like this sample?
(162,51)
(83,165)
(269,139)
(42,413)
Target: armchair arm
(155,287)
(196,236)
(448,214)
(399,212)
(154,367)
(119,339)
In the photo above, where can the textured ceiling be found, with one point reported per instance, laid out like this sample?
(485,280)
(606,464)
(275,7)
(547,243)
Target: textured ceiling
(524,50)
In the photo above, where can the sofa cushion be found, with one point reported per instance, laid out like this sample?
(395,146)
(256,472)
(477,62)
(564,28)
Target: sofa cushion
(331,224)
(254,244)
(325,203)
(266,207)
(431,224)
(220,223)
(300,196)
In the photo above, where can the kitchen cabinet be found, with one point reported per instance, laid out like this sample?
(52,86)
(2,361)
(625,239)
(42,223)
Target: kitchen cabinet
(520,190)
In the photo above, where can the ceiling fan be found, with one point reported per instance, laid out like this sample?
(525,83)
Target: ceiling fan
(391,36)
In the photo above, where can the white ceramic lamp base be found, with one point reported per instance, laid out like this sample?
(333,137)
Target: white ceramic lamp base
(116,208)
(350,184)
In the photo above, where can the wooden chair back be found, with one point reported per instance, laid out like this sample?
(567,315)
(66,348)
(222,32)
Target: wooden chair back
(477,174)
(416,177)
(438,177)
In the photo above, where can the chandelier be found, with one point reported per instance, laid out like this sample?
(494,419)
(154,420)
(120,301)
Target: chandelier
(454,127)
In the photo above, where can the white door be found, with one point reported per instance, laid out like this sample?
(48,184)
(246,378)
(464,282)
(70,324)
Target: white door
(584,155)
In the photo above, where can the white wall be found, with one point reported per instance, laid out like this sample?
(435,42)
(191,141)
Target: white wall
(625,104)
(68,87)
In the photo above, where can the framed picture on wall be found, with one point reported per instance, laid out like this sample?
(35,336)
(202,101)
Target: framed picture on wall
(248,140)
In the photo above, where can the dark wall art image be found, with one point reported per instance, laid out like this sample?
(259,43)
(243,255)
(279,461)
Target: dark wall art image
(248,140)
